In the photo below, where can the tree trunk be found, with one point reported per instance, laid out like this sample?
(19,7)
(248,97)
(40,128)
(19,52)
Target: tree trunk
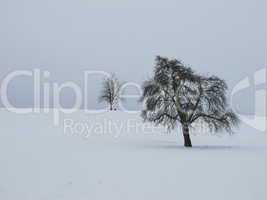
(187,140)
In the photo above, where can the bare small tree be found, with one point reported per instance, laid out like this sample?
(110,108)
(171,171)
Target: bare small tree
(111,92)
(177,95)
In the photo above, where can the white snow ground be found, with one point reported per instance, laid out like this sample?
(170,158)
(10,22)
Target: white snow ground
(39,161)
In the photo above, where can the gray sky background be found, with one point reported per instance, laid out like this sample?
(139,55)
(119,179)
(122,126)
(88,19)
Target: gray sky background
(222,37)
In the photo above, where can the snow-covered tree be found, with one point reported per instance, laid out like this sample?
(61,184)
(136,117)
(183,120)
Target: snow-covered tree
(111,92)
(177,95)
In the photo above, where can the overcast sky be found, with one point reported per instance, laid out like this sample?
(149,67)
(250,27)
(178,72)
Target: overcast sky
(222,37)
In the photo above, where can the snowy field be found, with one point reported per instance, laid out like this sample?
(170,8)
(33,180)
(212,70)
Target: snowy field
(79,160)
